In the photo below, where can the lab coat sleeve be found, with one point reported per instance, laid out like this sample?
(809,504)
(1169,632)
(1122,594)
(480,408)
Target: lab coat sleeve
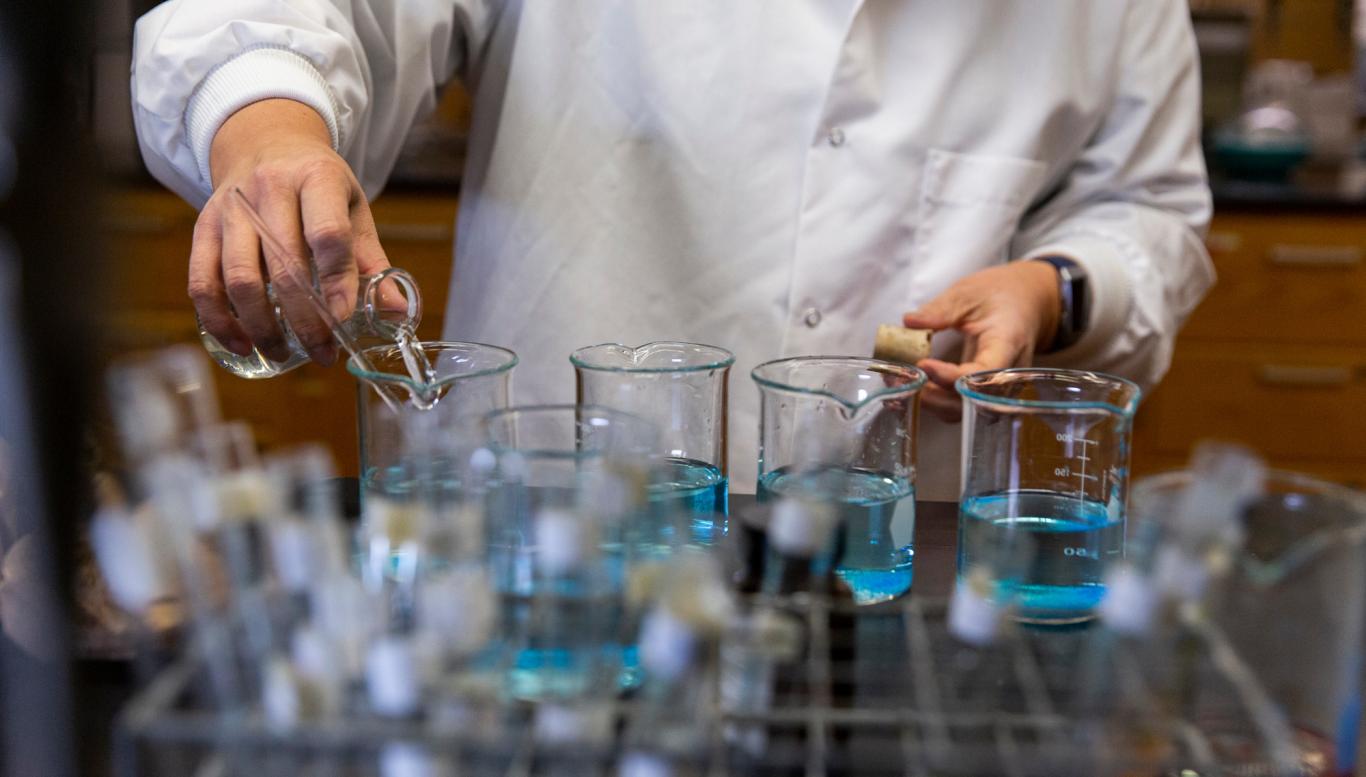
(1134,206)
(370,68)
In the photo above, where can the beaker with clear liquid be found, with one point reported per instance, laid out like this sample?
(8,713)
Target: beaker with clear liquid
(841,430)
(1046,465)
(388,307)
(682,389)
(467,381)
(565,517)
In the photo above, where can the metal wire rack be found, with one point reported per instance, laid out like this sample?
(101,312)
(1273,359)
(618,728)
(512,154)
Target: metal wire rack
(882,690)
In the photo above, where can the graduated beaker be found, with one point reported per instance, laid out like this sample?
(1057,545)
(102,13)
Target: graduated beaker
(564,512)
(682,389)
(1045,466)
(1293,605)
(842,430)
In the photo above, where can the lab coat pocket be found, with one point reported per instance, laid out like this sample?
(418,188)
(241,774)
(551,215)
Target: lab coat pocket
(970,207)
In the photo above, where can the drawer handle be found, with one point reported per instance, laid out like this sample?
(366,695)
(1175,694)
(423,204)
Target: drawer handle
(415,233)
(1286,255)
(1298,376)
(1223,242)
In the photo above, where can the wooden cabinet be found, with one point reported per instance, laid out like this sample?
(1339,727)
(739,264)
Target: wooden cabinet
(147,235)
(1275,357)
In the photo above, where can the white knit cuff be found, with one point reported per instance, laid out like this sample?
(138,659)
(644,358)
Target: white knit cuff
(1107,266)
(256,74)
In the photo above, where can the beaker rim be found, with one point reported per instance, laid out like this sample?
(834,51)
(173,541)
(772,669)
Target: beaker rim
(1147,492)
(1276,480)
(965,388)
(720,358)
(510,360)
(916,376)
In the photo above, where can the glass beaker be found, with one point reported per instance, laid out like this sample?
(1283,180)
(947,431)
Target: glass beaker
(569,491)
(842,430)
(682,389)
(387,303)
(471,380)
(1045,465)
(1292,604)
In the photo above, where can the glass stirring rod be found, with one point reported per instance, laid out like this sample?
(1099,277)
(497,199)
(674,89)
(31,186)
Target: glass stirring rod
(285,263)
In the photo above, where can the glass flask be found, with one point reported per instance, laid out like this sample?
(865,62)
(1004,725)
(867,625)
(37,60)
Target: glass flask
(1292,602)
(388,303)
(565,511)
(1045,466)
(842,431)
(682,389)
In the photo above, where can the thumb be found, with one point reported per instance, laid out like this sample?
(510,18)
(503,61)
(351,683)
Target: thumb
(945,311)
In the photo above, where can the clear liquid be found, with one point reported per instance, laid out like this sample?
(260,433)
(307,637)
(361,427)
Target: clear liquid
(697,490)
(877,524)
(1073,541)
(255,365)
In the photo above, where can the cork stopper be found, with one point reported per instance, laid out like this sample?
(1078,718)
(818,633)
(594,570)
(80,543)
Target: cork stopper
(901,345)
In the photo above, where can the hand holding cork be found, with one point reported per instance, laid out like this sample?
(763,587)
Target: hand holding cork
(901,345)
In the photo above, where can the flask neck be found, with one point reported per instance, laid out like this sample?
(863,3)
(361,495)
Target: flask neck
(388,303)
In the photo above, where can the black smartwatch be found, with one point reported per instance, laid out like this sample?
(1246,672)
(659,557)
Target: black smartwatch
(1075,293)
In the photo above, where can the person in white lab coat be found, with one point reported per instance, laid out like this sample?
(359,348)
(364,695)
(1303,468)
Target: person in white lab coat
(774,178)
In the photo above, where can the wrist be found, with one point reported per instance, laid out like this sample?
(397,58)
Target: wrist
(1042,281)
(1073,299)
(246,134)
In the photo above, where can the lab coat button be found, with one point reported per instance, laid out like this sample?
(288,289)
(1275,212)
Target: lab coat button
(836,137)
(812,317)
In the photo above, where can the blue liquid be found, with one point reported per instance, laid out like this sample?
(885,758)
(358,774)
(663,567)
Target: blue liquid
(877,524)
(695,489)
(562,635)
(561,643)
(1073,541)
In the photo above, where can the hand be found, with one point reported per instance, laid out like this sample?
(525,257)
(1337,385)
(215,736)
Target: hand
(1005,313)
(280,154)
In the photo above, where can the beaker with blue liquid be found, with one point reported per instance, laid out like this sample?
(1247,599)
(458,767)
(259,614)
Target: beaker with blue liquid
(682,389)
(565,520)
(1045,466)
(841,431)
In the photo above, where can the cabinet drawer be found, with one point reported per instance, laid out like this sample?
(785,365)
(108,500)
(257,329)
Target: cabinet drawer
(1285,402)
(1299,278)
(147,236)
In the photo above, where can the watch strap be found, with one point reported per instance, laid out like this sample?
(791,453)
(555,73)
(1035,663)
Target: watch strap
(1074,292)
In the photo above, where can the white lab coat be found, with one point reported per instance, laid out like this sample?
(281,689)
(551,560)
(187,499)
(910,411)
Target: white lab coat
(773,177)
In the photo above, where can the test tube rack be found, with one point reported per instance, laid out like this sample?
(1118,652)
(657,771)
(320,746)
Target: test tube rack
(880,693)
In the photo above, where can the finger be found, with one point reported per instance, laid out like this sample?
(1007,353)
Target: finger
(945,311)
(325,205)
(995,350)
(205,285)
(940,373)
(371,258)
(246,286)
(282,216)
